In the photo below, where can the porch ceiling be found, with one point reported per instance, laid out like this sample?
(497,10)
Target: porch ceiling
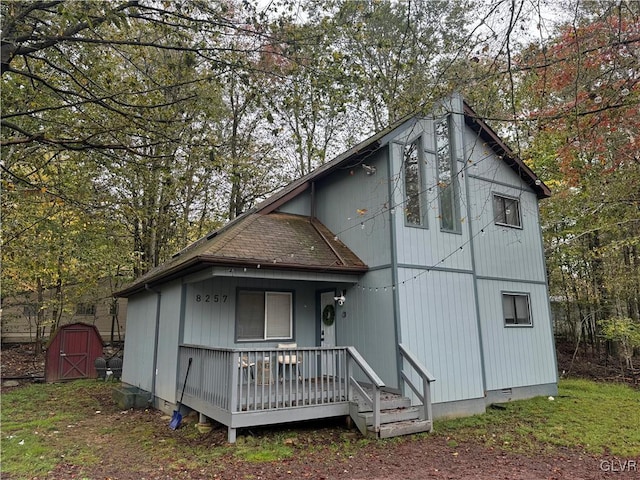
(274,241)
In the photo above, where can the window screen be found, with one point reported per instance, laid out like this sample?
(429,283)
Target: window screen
(515,309)
(412,184)
(250,315)
(506,211)
(278,315)
(264,315)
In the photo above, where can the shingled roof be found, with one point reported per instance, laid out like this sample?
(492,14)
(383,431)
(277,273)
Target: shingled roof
(274,240)
(264,237)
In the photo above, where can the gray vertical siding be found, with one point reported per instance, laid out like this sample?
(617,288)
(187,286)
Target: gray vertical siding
(506,252)
(437,307)
(487,175)
(138,348)
(346,200)
(508,259)
(516,356)
(212,323)
(300,205)
(369,325)
(438,319)
(138,368)
(168,341)
(349,198)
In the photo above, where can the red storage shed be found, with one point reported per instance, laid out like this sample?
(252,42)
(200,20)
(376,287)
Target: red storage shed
(72,352)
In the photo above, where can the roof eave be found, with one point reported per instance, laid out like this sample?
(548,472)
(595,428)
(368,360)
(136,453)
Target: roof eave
(204,261)
(495,142)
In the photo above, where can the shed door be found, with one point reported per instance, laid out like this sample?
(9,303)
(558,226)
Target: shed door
(74,353)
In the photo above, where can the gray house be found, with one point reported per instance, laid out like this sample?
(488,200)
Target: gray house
(405,274)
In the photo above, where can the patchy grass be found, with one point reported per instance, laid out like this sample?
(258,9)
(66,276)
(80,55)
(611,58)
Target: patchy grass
(74,430)
(265,449)
(599,418)
(36,417)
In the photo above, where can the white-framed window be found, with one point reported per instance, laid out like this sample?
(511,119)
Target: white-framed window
(516,309)
(506,211)
(413,189)
(264,315)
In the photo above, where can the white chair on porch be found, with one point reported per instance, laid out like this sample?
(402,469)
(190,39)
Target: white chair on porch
(288,359)
(246,367)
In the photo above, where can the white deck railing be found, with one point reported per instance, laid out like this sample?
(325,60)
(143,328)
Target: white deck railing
(423,392)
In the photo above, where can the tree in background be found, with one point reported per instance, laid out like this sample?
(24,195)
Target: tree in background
(177,116)
(106,141)
(584,119)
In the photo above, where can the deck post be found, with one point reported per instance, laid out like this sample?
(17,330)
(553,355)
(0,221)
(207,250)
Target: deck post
(231,435)
(349,377)
(376,409)
(426,385)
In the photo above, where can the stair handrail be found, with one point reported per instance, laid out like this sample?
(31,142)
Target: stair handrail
(423,394)
(376,383)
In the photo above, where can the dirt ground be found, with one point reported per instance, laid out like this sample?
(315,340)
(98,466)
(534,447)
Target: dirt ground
(410,458)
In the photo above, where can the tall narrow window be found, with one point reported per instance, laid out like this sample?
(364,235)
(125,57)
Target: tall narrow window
(278,314)
(506,211)
(412,184)
(447,178)
(515,308)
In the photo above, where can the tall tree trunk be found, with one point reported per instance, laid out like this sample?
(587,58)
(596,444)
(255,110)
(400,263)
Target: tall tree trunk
(39,316)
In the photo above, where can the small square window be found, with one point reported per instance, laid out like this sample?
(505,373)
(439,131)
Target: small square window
(506,211)
(515,308)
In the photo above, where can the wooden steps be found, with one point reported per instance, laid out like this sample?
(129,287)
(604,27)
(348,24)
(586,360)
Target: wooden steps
(397,417)
(406,427)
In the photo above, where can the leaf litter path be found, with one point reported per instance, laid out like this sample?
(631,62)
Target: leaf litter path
(319,452)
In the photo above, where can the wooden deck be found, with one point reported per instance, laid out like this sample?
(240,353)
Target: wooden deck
(243,387)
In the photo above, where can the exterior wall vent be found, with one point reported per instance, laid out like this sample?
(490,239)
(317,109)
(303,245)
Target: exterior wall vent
(506,391)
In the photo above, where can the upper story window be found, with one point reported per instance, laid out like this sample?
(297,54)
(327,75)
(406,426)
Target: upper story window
(413,191)
(506,211)
(264,315)
(515,307)
(85,309)
(447,178)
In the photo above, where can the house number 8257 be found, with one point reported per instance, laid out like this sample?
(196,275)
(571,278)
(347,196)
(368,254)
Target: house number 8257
(208,298)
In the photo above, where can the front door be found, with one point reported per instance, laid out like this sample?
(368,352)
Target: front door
(327,331)
(74,354)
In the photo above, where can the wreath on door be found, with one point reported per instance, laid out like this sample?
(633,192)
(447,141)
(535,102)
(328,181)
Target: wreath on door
(329,315)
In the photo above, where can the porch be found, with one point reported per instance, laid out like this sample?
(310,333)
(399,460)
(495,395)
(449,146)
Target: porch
(248,387)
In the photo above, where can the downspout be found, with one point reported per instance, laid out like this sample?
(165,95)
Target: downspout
(155,343)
